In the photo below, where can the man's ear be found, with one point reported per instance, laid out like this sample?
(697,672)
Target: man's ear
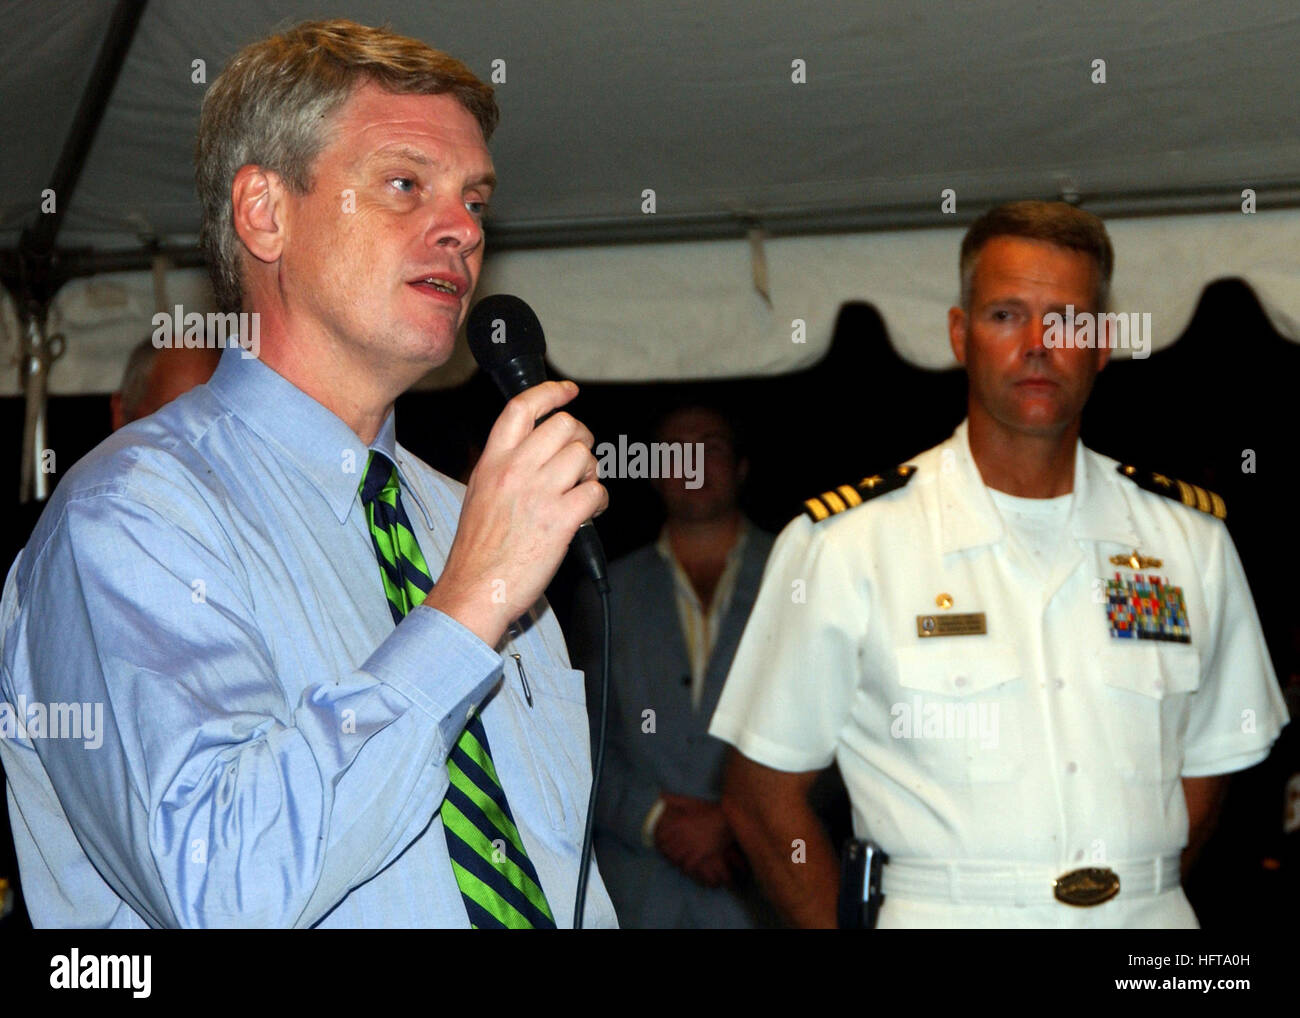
(257,196)
(957,333)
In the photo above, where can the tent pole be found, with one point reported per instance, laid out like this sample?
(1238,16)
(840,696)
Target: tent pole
(38,269)
(85,124)
(38,353)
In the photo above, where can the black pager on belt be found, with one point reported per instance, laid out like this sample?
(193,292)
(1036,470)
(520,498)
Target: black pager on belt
(860,894)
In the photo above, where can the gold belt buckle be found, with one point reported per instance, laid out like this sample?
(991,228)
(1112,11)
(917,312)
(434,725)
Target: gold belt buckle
(1089,886)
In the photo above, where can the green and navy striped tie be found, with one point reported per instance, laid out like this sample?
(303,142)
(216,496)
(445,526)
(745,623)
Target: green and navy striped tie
(496,878)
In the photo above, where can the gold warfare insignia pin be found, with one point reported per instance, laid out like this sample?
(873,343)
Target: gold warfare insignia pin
(1086,887)
(1136,561)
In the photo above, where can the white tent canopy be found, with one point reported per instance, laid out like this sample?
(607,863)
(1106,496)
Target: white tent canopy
(833,129)
(690,310)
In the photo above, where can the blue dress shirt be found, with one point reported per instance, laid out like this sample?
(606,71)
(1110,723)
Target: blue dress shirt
(273,749)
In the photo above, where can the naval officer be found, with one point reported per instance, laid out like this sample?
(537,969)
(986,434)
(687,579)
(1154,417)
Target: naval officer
(1034,665)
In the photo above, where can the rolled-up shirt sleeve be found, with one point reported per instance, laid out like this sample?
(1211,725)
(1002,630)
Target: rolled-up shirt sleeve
(206,799)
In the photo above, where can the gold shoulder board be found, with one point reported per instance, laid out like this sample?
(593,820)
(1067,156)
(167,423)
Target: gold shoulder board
(847,496)
(1191,495)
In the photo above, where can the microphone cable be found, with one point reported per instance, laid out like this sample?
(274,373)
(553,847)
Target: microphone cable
(598,759)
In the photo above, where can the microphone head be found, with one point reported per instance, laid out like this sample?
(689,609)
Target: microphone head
(501,328)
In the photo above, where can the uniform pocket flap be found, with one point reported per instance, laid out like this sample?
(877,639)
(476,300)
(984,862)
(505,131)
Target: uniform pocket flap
(1152,669)
(942,666)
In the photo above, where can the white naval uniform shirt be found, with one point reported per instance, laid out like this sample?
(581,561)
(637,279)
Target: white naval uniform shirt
(1075,741)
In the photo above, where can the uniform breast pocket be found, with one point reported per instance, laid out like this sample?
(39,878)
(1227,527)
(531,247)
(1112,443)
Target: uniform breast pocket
(1148,690)
(958,713)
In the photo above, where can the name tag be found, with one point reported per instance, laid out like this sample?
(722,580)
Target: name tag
(964,624)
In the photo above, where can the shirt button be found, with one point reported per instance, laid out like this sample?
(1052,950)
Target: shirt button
(1159,685)
(959,681)
(1071,767)
(1078,856)
(1060,683)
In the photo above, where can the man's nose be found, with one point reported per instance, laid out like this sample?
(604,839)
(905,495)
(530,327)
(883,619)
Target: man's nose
(453,225)
(1031,340)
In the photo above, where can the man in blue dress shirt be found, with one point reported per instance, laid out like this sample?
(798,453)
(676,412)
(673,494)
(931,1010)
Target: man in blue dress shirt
(210,716)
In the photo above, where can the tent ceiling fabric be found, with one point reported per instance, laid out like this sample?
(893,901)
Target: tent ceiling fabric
(697,102)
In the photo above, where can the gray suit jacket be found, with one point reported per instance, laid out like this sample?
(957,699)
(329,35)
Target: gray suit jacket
(650,671)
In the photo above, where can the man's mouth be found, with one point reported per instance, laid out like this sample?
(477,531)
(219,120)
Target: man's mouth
(442,284)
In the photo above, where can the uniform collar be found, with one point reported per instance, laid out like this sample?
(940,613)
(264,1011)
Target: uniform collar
(323,449)
(968,518)
(1101,512)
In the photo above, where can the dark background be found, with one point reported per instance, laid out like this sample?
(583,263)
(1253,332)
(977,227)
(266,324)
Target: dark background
(1190,411)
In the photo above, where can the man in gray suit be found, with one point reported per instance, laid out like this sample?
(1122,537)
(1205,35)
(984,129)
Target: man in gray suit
(678,607)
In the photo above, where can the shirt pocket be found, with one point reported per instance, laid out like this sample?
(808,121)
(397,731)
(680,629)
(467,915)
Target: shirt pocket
(555,737)
(1148,690)
(958,713)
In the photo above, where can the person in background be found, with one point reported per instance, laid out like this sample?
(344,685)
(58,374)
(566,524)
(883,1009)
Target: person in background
(678,607)
(155,376)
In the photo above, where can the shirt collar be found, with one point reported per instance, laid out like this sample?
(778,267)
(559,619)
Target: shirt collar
(307,434)
(664,545)
(1101,512)
(968,517)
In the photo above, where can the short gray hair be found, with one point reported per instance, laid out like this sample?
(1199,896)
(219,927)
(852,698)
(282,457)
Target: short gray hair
(271,106)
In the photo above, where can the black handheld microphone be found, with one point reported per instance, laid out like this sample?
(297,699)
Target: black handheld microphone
(506,340)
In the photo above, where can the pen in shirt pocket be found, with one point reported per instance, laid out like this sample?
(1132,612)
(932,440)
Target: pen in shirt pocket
(523,679)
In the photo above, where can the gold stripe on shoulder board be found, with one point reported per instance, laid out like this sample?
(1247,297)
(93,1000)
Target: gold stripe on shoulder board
(819,511)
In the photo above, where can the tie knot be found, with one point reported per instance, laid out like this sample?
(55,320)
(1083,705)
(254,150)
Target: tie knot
(380,478)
